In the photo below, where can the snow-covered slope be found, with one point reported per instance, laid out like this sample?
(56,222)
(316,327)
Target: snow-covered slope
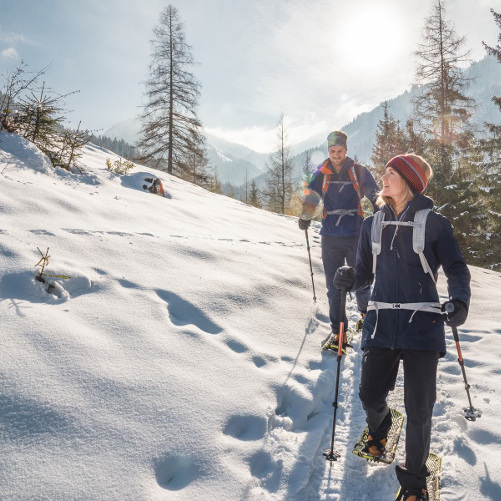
(182,358)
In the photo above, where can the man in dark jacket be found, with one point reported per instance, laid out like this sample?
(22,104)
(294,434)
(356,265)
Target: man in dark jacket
(341,184)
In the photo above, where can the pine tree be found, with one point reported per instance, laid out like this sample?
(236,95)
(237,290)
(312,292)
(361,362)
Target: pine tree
(280,183)
(254,195)
(171,134)
(415,141)
(390,140)
(489,179)
(308,168)
(41,117)
(442,110)
(72,141)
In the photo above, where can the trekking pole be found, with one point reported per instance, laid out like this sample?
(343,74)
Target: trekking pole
(331,454)
(311,268)
(469,413)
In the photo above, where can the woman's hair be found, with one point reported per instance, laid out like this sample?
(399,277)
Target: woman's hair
(408,192)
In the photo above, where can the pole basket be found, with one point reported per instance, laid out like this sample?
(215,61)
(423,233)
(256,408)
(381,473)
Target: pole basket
(471,414)
(331,455)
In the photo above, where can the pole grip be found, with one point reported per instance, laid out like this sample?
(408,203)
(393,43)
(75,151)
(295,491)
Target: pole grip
(449,307)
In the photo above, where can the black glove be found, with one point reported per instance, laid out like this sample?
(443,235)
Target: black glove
(344,279)
(304,224)
(457,312)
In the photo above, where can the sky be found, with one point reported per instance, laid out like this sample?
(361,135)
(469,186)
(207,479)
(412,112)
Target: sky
(319,62)
(182,357)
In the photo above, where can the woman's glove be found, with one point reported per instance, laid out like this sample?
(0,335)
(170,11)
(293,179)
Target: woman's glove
(456,312)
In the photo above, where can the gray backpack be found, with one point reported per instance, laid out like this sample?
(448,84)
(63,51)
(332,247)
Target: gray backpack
(418,236)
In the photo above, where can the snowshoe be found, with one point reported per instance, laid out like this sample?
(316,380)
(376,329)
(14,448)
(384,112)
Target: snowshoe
(385,452)
(432,491)
(412,495)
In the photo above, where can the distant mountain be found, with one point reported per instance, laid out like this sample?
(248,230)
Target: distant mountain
(128,130)
(234,162)
(231,167)
(485,83)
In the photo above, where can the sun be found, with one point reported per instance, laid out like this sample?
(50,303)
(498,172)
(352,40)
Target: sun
(371,38)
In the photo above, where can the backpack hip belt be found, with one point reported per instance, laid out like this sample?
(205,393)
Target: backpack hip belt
(430,307)
(341,213)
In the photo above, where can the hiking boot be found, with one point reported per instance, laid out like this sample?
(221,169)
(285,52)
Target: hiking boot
(336,338)
(374,446)
(409,494)
(333,343)
(360,324)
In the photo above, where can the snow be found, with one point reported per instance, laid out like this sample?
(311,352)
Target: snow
(182,358)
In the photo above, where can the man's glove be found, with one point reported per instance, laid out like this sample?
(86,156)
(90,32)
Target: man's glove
(344,279)
(304,224)
(456,312)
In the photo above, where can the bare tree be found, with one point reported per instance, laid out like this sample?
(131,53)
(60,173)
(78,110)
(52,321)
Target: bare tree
(171,133)
(18,82)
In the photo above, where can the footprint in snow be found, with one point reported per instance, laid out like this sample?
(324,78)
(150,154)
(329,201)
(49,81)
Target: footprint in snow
(127,284)
(236,346)
(245,428)
(182,313)
(176,471)
(42,232)
(265,468)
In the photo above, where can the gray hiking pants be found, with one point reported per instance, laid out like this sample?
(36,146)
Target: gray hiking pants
(379,373)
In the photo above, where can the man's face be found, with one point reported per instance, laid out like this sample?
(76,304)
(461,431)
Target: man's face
(337,155)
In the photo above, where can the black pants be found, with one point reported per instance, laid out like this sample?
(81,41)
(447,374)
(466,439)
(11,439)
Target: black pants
(379,373)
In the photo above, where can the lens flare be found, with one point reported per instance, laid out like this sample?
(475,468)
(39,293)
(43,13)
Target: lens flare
(305,203)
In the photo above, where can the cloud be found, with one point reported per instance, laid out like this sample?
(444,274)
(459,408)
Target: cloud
(10,53)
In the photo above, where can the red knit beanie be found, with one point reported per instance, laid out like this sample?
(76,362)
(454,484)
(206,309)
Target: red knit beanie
(411,171)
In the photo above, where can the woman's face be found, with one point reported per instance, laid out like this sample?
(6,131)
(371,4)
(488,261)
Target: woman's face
(394,185)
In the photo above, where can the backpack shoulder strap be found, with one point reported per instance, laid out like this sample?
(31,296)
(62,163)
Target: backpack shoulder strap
(419,227)
(419,238)
(325,184)
(376,233)
(352,172)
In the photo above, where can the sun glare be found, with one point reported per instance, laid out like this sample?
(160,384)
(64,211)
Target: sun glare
(370,39)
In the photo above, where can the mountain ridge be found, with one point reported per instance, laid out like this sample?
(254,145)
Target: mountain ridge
(236,163)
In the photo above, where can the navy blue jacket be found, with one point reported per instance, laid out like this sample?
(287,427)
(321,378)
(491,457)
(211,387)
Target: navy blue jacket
(400,278)
(343,196)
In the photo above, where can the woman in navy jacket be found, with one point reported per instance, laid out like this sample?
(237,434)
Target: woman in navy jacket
(404,320)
